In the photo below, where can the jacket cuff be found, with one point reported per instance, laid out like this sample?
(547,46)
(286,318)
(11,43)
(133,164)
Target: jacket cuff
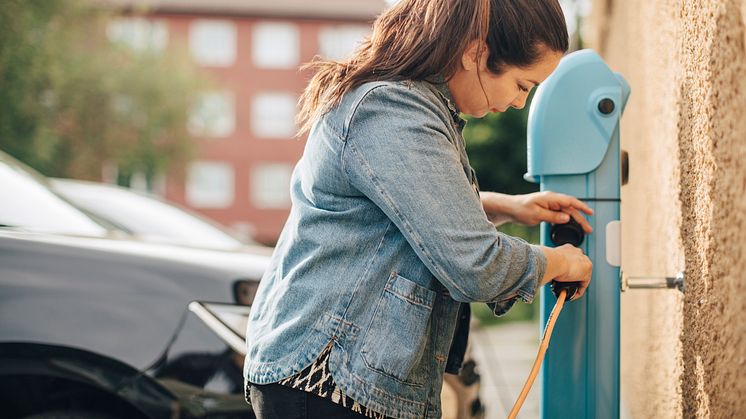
(535,271)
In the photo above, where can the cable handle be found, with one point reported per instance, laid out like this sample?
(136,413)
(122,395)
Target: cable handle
(571,288)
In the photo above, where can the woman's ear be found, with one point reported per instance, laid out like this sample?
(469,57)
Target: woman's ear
(471,56)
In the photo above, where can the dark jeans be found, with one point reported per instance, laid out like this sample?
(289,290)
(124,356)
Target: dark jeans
(275,401)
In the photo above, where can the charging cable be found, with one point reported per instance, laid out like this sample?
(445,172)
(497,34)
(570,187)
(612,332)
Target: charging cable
(562,290)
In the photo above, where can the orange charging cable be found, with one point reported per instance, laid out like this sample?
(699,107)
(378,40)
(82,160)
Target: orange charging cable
(540,356)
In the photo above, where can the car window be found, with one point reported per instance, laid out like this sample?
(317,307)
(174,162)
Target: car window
(144,216)
(27,204)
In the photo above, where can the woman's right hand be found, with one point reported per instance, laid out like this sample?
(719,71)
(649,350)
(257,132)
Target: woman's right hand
(568,263)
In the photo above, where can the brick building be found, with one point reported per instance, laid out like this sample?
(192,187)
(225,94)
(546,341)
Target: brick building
(245,126)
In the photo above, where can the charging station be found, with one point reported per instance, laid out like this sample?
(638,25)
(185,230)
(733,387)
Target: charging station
(573,148)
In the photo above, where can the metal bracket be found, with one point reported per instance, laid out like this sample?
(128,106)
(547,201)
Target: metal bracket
(653,282)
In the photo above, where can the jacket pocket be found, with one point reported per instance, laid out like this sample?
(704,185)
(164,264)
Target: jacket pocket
(395,340)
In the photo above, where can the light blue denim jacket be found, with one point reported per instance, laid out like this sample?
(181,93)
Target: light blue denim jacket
(385,239)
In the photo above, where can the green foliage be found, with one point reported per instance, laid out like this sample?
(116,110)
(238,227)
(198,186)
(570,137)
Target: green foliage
(496,145)
(72,101)
(520,312)
(530,234)
(26,72)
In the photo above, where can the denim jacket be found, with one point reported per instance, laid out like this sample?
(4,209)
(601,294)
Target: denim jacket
(385,241)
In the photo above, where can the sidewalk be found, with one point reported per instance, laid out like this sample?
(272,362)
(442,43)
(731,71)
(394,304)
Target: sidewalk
(504,354)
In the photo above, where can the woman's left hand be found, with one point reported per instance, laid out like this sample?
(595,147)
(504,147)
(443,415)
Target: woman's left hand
(531,209)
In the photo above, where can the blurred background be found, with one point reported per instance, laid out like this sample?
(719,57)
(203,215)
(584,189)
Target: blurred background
(174,121)
(194,101)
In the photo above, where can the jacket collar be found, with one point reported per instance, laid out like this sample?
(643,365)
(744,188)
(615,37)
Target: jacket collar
(440,85)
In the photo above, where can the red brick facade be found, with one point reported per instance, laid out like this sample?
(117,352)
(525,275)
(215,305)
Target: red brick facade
(241,150)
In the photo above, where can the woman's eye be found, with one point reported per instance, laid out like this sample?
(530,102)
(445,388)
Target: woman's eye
(522,89)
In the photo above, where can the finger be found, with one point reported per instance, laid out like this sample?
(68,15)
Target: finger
(551,200)
(578,217)
(554,217)
(571,201)
(573,295)
(582,206)
(580,292)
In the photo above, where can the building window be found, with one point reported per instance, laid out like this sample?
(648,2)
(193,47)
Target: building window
(142,35)
(270,185)
(339,42)
(275,45)
(273,115)
(209,185)
(214,115)
(213,42)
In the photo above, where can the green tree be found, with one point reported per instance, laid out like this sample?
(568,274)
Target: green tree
(70,101)
(26,73)
(496,145)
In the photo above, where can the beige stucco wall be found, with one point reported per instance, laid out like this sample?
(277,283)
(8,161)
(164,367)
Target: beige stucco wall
(684,207)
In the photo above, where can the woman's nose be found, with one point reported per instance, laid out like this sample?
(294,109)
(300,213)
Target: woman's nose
(519,102)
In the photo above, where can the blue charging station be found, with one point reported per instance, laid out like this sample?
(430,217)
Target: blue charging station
(573,148)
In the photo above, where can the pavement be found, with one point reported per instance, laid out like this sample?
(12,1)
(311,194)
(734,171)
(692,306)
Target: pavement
(504,355)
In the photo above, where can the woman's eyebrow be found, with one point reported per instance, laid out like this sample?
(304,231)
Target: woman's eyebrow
(536,83)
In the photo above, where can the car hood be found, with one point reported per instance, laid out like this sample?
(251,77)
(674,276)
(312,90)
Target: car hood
(245,262)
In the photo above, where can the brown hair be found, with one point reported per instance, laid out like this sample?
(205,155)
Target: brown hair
(416,39)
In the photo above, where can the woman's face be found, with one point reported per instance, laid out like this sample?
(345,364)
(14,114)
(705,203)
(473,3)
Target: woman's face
(496,93)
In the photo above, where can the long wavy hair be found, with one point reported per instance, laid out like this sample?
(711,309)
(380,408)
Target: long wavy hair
(416,39)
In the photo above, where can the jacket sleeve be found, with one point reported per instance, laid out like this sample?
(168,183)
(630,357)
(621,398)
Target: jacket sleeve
(398,154)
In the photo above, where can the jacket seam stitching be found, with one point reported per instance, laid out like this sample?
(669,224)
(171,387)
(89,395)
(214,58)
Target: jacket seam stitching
(385,393)
(376,311)
(389,375)
(346,128)
(367,270)
(423,304)
(417,239)
(348,120)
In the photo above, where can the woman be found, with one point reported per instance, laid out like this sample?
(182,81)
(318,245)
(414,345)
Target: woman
(363,307)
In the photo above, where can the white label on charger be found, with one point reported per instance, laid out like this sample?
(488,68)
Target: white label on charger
(614,243)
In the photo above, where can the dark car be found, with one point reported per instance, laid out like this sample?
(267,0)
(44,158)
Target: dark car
(94,325)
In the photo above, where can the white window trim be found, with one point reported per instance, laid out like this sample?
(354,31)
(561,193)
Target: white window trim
(331,46)
(203,57)
(269,132)
(193,197)
(197,125)
(140,34)
(279,196)
(264,45)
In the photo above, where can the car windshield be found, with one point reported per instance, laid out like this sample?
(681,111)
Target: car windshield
(144,216)
(28,204)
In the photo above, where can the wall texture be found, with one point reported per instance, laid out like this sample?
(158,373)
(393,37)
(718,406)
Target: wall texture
(684,207)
